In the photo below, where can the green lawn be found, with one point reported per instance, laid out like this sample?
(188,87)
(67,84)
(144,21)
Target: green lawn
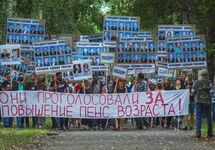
(12,136)
(204,127)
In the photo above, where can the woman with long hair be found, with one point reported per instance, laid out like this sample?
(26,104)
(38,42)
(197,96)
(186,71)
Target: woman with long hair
(121,89)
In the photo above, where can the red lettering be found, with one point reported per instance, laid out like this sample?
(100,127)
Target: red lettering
(128,113)
(159,98)
(46,110)
(68,111)
(164,108)
(126,98)
(171,109)
(150,97)
(39,111)
(118,99)
(179,105)
(4,98)
(93,99)
(14,98)
(24,100)
(21,110)
(99,112)
(38,95)
(85,113)
(136,109)
(3,110)
(85,103)
(104,112)
(89,112)
(154,110)
(120,109)
(31,110)
(47,96)
(62,111)
(137,98)
(54,110)
(148,111)
(53,99)
(110,99)
(12,110)
(78,97)
(100,99)
(61,99)
(142,110)
(73,99)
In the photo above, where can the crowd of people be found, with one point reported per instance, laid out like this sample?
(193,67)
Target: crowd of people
(201,99)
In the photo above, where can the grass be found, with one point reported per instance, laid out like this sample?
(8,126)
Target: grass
(204,127)
(12,136)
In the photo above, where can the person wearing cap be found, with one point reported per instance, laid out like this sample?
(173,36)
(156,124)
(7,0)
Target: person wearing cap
(202,97)
(189,85)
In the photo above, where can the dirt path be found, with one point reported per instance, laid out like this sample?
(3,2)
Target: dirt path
(129,139)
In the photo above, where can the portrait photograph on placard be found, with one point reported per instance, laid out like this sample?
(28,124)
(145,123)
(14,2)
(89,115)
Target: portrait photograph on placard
(27,29)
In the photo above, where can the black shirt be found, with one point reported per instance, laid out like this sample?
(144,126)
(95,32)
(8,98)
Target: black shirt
(120,90)
(61,86)
(170,88)
(32,86)
(6,85)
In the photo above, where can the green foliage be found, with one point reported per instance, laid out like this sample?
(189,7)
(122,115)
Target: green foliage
(12,136)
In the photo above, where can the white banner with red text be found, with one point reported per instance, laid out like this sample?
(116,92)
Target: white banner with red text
(68,105)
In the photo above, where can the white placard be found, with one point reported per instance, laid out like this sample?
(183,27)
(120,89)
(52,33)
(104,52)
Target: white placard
(120,72)
(163,72)
(107,58)
(82,69)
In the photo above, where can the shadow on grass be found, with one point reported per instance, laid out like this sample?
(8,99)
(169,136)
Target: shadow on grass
(12,136)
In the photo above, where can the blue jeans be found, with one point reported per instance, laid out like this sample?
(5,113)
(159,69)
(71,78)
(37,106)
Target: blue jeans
(200,108)
(8,122)
(18,120)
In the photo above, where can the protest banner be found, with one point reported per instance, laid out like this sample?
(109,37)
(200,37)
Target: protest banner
(10,54)
(52,56)
(118,105)
(120,26)
(82,69)
(25,31)
(163,72)
(107,58)
(119,72)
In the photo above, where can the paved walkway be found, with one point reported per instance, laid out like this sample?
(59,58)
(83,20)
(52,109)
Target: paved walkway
(129,139)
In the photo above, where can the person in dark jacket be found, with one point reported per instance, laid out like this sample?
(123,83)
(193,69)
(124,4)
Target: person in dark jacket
(202,97)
